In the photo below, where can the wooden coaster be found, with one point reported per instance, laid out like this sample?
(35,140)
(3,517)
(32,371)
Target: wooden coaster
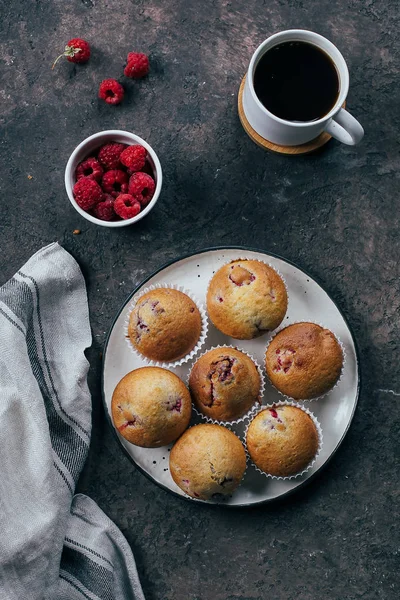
(307,148)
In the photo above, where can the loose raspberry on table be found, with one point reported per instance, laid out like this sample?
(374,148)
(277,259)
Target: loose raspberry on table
(109,155)
(87,193)
(134,158)
(90,168)
(126,206)
(137,65)
(104,210)
(142,187)
(76,51)
(115,182)
(111,91)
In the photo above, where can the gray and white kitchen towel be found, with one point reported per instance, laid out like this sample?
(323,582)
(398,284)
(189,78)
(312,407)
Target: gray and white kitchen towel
(53,545)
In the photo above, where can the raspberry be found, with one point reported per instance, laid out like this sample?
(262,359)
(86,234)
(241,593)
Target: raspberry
(146,169)
(76,51)
(109,155)
(104,210)
(87,193)
(89,168)
(126,206)
(134,157)
(111,91)
(174,404)
(137,65)
(142,187)
(115,182)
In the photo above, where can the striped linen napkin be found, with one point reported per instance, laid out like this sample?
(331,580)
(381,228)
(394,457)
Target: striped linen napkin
(53,545)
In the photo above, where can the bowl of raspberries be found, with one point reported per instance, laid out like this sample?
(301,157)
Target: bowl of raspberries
(113,178)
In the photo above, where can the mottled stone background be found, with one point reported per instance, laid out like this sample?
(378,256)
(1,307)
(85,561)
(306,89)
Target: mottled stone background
(336,214)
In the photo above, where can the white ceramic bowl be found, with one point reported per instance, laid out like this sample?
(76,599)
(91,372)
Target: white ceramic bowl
(92,143)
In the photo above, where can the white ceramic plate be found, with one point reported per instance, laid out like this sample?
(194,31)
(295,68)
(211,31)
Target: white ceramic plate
(307,302)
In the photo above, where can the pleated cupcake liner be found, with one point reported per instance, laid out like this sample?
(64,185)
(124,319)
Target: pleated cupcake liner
(320,440)
(193,352)
(253,409)
(285,396)
(243,258)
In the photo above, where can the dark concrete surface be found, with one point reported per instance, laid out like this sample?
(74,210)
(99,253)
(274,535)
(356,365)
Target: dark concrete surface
(336,214)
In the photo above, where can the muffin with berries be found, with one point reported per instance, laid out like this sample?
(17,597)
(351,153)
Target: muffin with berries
(207,461)
(304,361)
(151,407)
(246,298)
(224,384)
(282,441)
(164,325)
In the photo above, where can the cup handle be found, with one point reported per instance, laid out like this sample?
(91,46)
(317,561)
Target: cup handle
(345,128)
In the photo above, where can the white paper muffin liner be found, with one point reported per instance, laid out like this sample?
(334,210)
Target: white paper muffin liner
(250,413)
(281,328)
(203,332)
(228,262)
(223,497)
(320,440)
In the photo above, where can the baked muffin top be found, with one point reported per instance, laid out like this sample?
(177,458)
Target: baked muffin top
(282,441)
(304,361)
(151,407)
(207,460)
(224,384)
(246,298)
(165,325)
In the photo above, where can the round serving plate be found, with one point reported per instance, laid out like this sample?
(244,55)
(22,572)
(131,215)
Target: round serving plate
(307,302)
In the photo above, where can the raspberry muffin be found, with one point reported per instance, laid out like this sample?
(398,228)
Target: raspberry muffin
(207,460)
(224,384)
(165,325)
(304,361)
(151,407)
(282,441)
(246,298)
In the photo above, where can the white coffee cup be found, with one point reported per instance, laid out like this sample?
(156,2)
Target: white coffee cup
(338,122)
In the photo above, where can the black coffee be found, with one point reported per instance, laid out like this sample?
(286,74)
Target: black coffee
(296,81)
